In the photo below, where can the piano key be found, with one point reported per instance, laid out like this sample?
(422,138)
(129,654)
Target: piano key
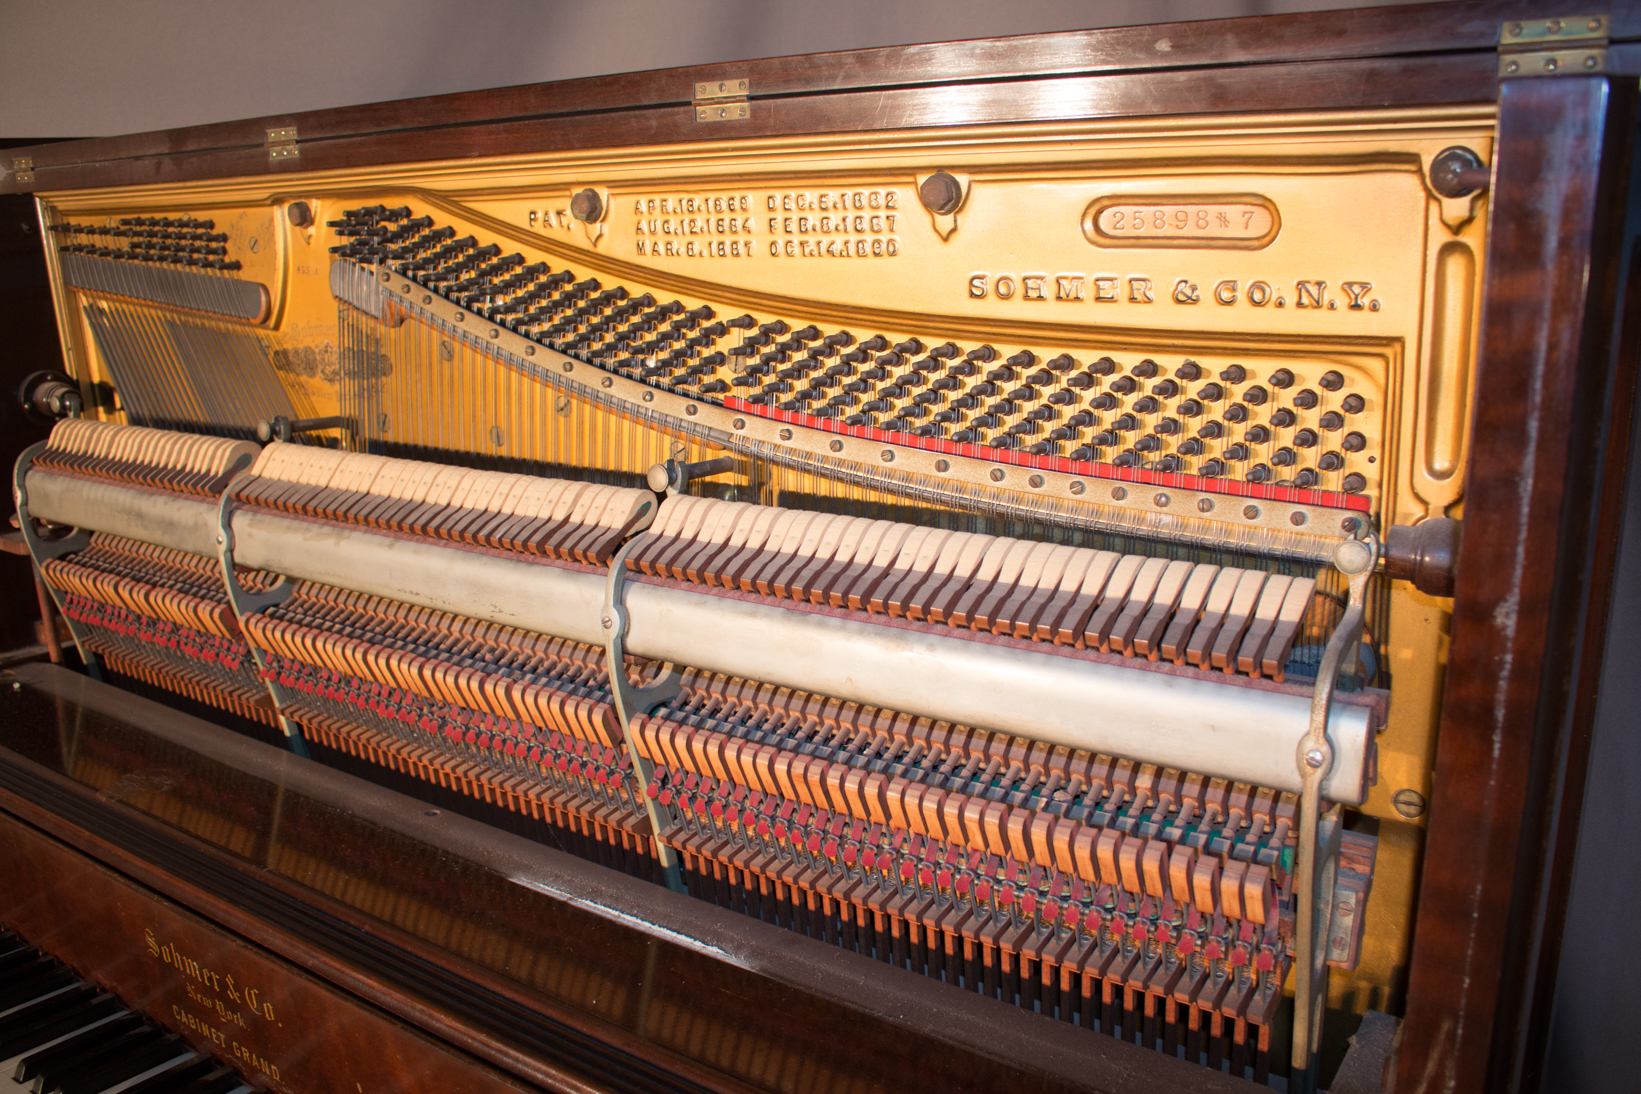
(19,956)
(220,1080)
(43,1060)
(32,979)
(165,1051)
(30,1025)
(173,1077)
(117,1051)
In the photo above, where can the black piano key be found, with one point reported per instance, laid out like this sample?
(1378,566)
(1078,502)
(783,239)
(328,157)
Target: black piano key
(32,1065)
(32,982)
(135,1060)
(53,1020)
(176,1078)
(9,1017)
(14,955)
(21,963)
(223,1080)
(96,1056)
(41,1006)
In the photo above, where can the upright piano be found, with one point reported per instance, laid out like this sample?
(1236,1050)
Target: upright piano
(1065,562)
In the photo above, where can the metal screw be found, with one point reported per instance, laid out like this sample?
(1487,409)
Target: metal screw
(942,466)
(1205,505)
(786,434)
(1077,488)
(1251,512)
(1315,759)
(529,351)
(1550,64)
(609,381)
(739,423)
(836,446)
(1160,501)
(887,455)
(1512,68)
(649,396)
(1296,519)
(1409,803)
(691,409)
(1591,61)
(16,687)
(607,622)
(1118,493)
(1593,24)
(1035,482)
(1350,524)
(1553,26)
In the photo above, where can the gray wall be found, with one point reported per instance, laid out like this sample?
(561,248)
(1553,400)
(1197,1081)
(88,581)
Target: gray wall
(91,68)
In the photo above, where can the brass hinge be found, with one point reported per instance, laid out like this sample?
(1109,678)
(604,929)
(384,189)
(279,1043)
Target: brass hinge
(721,101)
(1572,45)
(23,168)
(282,143)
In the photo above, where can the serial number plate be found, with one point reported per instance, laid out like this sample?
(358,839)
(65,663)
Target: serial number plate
(1243,222)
